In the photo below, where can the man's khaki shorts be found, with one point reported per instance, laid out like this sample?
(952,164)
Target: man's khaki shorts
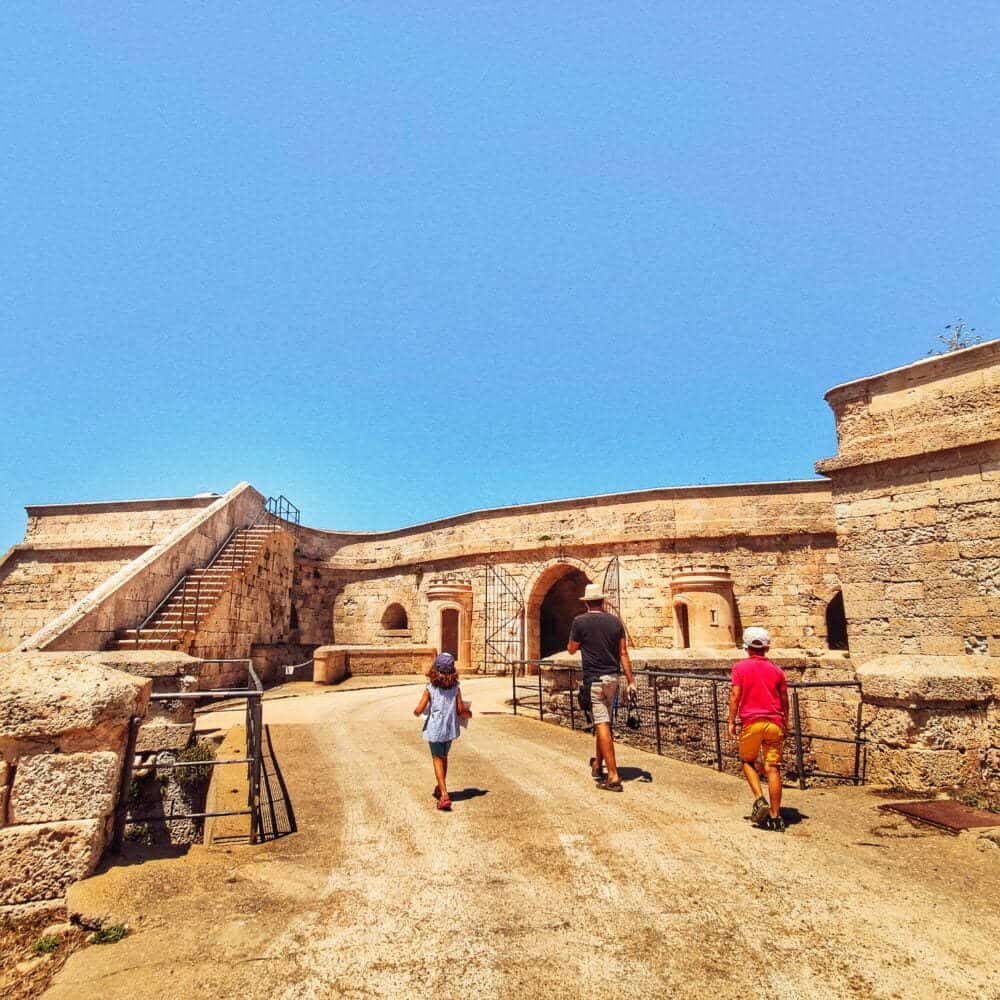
(603,694)
(763,735)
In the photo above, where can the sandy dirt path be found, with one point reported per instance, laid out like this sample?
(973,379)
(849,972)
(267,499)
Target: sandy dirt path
(537,885)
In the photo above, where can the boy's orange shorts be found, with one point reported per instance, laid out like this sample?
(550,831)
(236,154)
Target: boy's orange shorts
(765,735)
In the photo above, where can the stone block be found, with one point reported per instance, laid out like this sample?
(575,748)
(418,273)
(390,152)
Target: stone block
(149,663)
(55,699)
(40,860)
(160,735)
(918,769)
(53,787)
(919,678)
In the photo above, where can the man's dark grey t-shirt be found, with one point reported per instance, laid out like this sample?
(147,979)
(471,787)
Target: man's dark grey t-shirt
(599,635)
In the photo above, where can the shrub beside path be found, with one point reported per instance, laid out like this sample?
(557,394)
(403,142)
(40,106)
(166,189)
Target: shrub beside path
(541,887)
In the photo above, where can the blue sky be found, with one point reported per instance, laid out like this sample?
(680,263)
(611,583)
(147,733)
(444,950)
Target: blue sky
(403,260)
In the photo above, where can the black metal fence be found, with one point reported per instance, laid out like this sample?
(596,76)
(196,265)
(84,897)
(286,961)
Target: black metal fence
(254,761)
(684,715)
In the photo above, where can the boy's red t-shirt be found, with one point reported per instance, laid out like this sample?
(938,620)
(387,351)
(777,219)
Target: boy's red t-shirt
(761,686)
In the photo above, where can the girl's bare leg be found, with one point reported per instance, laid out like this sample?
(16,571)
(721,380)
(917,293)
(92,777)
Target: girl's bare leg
(441,773)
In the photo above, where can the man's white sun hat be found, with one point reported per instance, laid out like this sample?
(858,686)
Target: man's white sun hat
(592,593)
(756,637)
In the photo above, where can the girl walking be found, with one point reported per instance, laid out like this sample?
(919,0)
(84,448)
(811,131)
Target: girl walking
(443,705)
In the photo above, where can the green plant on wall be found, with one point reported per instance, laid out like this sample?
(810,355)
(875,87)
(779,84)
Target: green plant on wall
(188,776)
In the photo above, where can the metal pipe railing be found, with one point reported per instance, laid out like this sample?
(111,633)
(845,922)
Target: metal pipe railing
(253,693)
(655,713)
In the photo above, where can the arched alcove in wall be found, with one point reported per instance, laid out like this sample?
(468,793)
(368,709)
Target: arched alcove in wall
(394,618)
(836,622)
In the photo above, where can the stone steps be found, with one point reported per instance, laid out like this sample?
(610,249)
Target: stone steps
(196,596)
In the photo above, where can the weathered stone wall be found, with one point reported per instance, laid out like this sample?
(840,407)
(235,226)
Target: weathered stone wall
(916,495)
(784,584)
(37,584)
(932,721)
(776,538)
(63,728)
(141,523)
(69,549)
(128,596)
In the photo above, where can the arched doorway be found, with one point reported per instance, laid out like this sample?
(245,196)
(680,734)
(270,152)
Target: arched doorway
(560,605)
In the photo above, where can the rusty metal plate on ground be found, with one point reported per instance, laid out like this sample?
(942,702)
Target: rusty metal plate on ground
(946,813)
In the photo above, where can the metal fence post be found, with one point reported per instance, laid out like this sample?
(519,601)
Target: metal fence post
(656,713)
(541,714)
(513,685)
(572,714)
(121,807)
(799,757)
(717,725)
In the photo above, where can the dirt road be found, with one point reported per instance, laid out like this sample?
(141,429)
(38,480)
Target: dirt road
(537,885)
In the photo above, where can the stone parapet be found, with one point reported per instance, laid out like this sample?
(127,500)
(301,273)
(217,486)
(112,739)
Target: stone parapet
(333,663)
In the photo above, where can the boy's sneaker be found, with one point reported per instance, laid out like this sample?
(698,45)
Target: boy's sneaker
(775,823)
(759,811)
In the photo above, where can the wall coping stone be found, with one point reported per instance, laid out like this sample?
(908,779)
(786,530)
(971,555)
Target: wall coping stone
(921,678)
(113,506)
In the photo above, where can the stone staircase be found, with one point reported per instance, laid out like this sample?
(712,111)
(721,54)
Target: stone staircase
(195,595)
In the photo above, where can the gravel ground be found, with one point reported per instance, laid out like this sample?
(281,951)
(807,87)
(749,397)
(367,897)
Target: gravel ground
(537,885)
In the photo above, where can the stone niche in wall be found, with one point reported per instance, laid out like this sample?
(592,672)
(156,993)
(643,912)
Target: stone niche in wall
(704,609)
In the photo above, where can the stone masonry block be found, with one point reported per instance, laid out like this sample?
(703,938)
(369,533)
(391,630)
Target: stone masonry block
(918,678)
(53,787)
(160,735)
(40,860)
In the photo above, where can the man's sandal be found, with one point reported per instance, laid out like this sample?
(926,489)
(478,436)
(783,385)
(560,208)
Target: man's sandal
(610,786)
(597,775)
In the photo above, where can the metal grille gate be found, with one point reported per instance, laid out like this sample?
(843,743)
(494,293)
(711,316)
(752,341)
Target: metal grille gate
(612,589)
(503,643)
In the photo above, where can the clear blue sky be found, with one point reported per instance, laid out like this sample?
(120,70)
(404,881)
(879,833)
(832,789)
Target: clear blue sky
(403,260)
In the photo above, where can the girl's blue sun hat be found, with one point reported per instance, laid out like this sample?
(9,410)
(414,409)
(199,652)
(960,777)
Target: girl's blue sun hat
(444,663)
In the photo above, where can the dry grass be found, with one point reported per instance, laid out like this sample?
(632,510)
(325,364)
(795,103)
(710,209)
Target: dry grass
(19,943)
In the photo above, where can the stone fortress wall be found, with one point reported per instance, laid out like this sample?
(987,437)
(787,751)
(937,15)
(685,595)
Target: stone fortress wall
(776,539)
(895,552)
(69,549)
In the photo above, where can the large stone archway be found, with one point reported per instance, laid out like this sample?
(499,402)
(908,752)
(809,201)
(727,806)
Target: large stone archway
(553,601)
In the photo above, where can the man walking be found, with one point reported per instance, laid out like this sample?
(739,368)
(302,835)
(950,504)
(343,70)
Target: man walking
(759,699)
(600,637)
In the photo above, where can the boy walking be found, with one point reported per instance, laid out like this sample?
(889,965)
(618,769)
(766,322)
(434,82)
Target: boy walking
(759,699)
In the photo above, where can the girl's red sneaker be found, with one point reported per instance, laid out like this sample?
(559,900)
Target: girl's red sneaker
(444,803)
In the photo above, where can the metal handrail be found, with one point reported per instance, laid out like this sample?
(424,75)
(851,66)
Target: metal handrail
(715,716)
(253,694)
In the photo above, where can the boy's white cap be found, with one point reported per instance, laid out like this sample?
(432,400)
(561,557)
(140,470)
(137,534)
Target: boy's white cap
(756,637)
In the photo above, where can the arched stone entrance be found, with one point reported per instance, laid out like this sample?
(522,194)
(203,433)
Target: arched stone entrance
(553,603)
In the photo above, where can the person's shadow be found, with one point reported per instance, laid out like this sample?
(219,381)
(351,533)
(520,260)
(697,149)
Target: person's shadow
(634,774)
(467,793)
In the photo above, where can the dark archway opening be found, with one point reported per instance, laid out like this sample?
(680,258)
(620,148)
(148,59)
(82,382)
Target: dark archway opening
(836,622)
(559,607)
